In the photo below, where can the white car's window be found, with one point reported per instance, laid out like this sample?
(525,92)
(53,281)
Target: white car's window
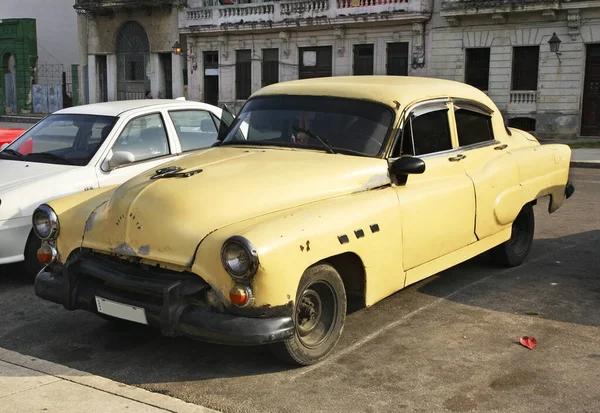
(144,137)
(196,129)
(344,125)
(64,139)
(430,133)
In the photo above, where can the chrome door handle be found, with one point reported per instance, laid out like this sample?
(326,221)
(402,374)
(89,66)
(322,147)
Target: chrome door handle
(500,147)
(457,158)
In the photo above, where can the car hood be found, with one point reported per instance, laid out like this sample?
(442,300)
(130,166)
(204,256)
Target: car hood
(15,174)
(164,219)
(24,185)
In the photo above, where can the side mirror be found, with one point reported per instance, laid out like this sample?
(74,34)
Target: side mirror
(407,165)
(120,158)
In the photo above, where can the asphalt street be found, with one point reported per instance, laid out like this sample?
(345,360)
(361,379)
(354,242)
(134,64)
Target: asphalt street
(447,344)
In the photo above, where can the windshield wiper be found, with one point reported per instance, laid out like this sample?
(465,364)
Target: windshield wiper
(315,136)
(52,155)
(12,152)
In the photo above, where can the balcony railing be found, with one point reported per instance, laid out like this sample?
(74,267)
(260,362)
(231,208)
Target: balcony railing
(524,97)
(113,5)
(457,7)
(213,13)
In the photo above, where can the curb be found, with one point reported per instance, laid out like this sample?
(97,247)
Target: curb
(21,119)
(585,164)
(157,400)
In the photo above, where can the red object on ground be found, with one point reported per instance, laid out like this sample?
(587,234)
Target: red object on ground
(8,135)
(528,342)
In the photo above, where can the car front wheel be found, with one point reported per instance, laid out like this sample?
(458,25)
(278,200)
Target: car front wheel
(513,252)
(31,266)
(319,316)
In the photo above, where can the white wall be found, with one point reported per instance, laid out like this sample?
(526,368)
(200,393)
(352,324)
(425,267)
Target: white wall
(56,22)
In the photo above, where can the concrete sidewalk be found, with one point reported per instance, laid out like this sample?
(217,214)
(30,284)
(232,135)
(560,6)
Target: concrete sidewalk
(585,158)
(29,384)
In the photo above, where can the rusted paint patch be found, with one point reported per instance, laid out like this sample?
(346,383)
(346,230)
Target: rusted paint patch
(123,249)
(307,246)
(301,247)
(376,181)
(144,250)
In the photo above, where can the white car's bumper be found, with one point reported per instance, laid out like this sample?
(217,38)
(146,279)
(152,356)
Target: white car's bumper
(13,237)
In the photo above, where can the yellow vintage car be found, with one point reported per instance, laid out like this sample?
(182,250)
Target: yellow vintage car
(321,195)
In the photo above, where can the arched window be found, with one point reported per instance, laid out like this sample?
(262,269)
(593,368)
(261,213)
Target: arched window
(133,61)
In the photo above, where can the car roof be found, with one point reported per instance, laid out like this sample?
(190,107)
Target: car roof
(384,89)
(117,108)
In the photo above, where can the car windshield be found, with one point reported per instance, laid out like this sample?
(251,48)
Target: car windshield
(341,125)
(69,139)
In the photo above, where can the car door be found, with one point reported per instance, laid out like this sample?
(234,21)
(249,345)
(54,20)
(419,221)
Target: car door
(142,144)
(488,163)
(437,206)
(195,128)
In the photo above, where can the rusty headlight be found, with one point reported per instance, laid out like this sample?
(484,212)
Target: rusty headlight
(45,222)
(239,258)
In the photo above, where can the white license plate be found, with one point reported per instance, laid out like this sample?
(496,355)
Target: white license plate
(118,310)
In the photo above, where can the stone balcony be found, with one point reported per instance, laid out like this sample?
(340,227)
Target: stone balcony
(522,101)
(211,16)
(454,10)
(101,7)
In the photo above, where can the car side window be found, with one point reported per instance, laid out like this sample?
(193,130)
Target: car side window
(144,137)
(196,129)
(429,132)
(473,127)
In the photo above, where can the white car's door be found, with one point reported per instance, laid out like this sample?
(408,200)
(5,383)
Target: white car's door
(142,144)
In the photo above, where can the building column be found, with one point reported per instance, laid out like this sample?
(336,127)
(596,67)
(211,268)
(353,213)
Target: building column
(82,37)
(92,79)
(195,76)
(111,77)
(157,77)
(177,75)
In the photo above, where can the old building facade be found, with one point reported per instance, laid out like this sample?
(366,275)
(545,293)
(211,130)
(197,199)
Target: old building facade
(502,47)
(126,49)
(235,49)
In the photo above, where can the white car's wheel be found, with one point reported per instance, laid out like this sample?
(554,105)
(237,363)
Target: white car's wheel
(31,266)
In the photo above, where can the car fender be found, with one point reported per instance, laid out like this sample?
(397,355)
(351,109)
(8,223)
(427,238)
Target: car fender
(287,242)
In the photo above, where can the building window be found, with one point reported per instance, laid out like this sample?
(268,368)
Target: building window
(270,66)
(525,68)
(363,59)
(397,59)
(315,62)
(526,124)
(243,74)
(477,71)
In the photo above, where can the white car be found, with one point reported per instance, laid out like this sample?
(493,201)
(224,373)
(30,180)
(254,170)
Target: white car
(91,146)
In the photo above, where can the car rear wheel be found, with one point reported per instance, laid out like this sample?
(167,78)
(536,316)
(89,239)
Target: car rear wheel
(319,316)
(513,252)
(31,266)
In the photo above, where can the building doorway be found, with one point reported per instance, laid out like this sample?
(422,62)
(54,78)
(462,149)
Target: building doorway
(211,77)
(590,114)
(9,81)
(133,61)
(315,62)
(167,70)
(101,69)
(363,59)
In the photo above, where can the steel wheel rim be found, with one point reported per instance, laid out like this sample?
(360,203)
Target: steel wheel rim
(316,312)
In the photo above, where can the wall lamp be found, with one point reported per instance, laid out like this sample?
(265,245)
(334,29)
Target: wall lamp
(554,43)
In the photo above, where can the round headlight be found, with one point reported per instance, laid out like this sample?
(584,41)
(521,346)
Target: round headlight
(45,222)
(239,258)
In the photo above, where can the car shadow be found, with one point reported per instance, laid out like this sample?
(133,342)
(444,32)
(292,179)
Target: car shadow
(558,281)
